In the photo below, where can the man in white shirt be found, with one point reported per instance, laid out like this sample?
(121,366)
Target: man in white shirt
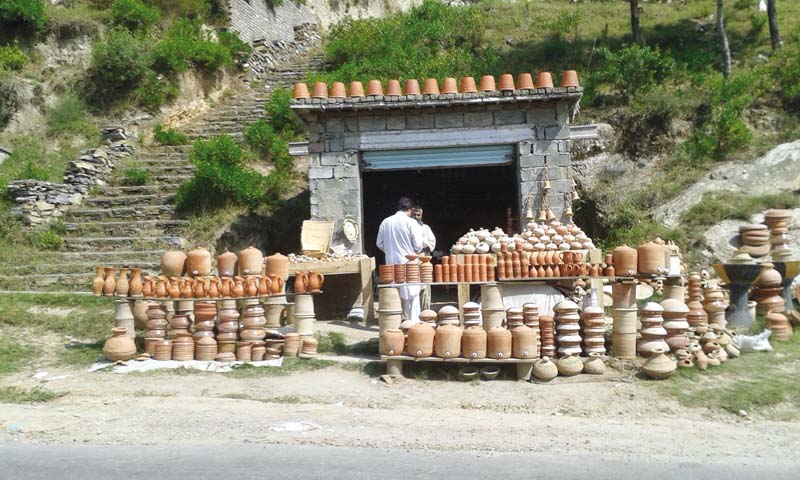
(428,246)
(398,236)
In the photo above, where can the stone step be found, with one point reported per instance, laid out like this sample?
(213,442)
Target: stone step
(156,154)
(209,134)
(76,267)
(168,169)
(167,149)
(117,257)
(130,200)
(128,227)
(114,243)
(155,161)
(149,212)
(160,179)
(140,189)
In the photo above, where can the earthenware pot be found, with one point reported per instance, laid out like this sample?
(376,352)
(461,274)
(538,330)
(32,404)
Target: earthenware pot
(226,264)
(251,261)
(198,262)
(525,81)
(173,263)
(278,264)
(110,283)
(300,282)
(594,365)
(119,347)
(569,79)
(99,280)
(135,284)
(544,80)
(473,342)
(505,82)
(315,281)
(277,284)
(430,87)
(651,258)
(659,366)
(523,342)
(412,87)
(468,85)
(392,342)
(449,85)
(374,87)
(356,89)
(237,291)
(544,370)
(420,340)
(300,91)
(625,260)
(122,286)
(487,84)
(337,90)
(319,90)
(393,88)
(447,341)
(569,366)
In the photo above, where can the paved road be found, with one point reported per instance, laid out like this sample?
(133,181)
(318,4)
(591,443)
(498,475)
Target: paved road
(229,461)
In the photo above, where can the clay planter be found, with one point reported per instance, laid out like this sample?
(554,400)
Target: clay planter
(119,347)
(300,91)
(487,84)
(544,80)
(659,366)
(544,370)
(449,86)
(505,83)
(412,87)
(569,366)
(525,81)
(244,351)
(392,342)
(447,341)
(420,340)
(468,85)
(356,89)
(393,88)
(569,79)
(319,90)
(337,90)
(374,87)
(431,87)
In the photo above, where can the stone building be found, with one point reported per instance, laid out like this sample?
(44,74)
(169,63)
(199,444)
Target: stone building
(471,160)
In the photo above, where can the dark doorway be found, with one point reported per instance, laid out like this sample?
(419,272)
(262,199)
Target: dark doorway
(454,200)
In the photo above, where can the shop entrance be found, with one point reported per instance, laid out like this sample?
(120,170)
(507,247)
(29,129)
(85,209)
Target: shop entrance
(454,200)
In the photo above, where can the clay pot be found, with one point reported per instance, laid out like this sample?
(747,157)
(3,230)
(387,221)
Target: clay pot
(651,258)
(110,283)
(412,87)
(337,90)
(431,87)
(300,282)
(544,370)
(99,280)
(374,87)
(420,340)
(447,341)
(277,284)
(122,286)
(525,81)
(449,85)
(594,365)
(505,83)
(658,366)
(173,263)
(393,88)
(198,262)
(487,84)
(392,342)
(251,261)
(162,350)
(278,264)
(524,342)
(315,281)
(468,85)
(356,89)
(569,79)
(569,366)
(625,260)
(300,91)
(473,343)
(119,347)
(544,80)
(319,90)
(226,264)
(499,343)
(135,285)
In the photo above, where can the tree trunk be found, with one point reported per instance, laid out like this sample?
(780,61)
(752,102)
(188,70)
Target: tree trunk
(772,14)
(637,33)
(723,38)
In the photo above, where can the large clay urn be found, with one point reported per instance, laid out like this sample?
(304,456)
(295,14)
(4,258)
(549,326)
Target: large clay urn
(659,366)
(544,370)
(392,342)
(651,258)
(251,261)
(119,347)
(226,264)
(278,264)
(625,260)
(315,281)
(499,343)
(447,342)
(198,262)
(523,342)
(473,343)
(173,263)
(420,340)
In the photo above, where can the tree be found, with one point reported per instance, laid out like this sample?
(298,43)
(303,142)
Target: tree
(723,38)
(772,14)
(635,30)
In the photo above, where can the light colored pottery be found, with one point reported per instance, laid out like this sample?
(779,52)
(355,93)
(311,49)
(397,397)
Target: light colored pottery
(594,365)
(226,264)
(473,342)
(420,340)
(99,280)
(659,366)
(569,366)
(198,262)
(544,370)
(173,263)
(135,285)
(277,264)
(110,284)
(447,341)
(392,342)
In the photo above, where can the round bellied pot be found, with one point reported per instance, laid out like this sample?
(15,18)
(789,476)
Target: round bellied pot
(119,347)
(198,262)
(625,260)
(447,341)
(659,366)
(594,365)
(392,342)
(544,370)
(569,366)
(251,261)
(226,264)
(651,258)
(420,340)
(173,263)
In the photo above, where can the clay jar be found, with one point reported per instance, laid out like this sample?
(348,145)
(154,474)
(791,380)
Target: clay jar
(315,281)
(135,284)
(392,342)
(594,365)
(226,264)
(251,261)
(198,262)
(499,342)
(447,341)
(173,263)
(625,260)
(569,366)
(119,347)
(276,285)
(110,284)
(473,343)
(278,264)
(651,258)
(658,366)
(300,282)
(99,280)
(544,370)
(420,340)
(523,342)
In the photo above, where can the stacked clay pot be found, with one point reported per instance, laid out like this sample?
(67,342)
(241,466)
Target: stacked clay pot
(697,316)
(448,315)
(492,309)
(568,326)
(420,340)
(390,308)
(447,341)
(779,240)
(179,325)
(386,274)
(205,315)
(473,342)
(156,326)
(227,326)
(472,314)
(291,345)
(253,322)
(205,349)
(715,304)
(755,240)
(779,325)
(593,330)
(162,350)
(547,336)
(653,331)
(426,270)
(309,347)
(428,316)
(675,312)
(412,272)
(499,343)
(767,291)
(183,347)
(530,317)
(514,317)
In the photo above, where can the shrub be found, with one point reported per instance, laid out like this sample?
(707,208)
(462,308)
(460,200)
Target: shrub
(632,70)
(135,176)
(25,13)
(11,57)
(186,44)
(133,14)
(719,206)
(69,116)
(234,44)
(260,137)
(787,71)
(66,23)
(281,116)
(50,239)
(154,91)
(169,136)
(118,64)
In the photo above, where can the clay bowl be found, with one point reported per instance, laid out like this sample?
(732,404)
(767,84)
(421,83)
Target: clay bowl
(412,87)
(425,258)
(300,91)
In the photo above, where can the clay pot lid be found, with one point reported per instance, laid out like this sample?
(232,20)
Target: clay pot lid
(427,315)
(752,226)
(566,305)
(778,212)
(652,307)
(770,278)
(470,306)
(672,305)
(448,310)
(594,310)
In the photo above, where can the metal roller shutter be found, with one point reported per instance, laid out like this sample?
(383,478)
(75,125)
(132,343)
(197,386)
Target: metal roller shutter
(477,156)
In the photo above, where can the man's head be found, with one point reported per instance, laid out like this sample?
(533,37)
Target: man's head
(416,213)
(405,205)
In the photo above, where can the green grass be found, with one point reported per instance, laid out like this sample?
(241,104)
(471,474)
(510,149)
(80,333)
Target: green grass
(27,395)
(134,176)
(15,353)
(169,136)
(91,317)
(718,206)
(81,354)
(33,159)
(69,116)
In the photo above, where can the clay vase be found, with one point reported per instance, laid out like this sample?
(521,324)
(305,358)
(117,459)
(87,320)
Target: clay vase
(237,291)
(119,347)
(659,366)
(122,288)
(315,281)
(468,85)
(447,341)
(374,87)
(412,87)
(251,289)
(264,286)
(161,288)
(430,87)
(300,282)
(213,288)
(569,79)
(198,262)
(186,289)
(356,89)
(110,284)
(300,91)
(277,284)
(594,365)
(135,285)
(544,80)
(393,88)
(200,288)
(225,287)
(173,263)
(449,86)
(544,370)
(99,280)
(337,90)
(319,90)
(473,343)
(251,261)
(525,81)
(420,340)
(392,342)
(569,366)
(226,264)
(278,264)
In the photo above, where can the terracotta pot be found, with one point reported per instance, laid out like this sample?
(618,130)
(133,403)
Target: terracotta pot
(487,84)
(468,85)
(544,80)
(392,342)
(277,284)
(473,343)
(506,82)
(198,262)
(447,341)
(226,264)
(300,282)
(119,347)
(122,287)
(374,87)
(110,283)
(449,85)
(319,90)
(251,261)
(135,285)
(393,88)
(237,291)
(594,365)
(544,370)
(524,342)
(420,340)
(431,87)
(651,258)
(569,79)
(99,280)
(356,89)
(315,281)
(625,260)
(337,90)
(659,366)
(569,366)
(499,343)
(173,263)
(278,264)
(300,91)
(412,87)
(525,81)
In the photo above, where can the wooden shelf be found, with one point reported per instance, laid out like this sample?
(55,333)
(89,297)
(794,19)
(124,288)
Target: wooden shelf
(207,299)
(459,360)
(513,281)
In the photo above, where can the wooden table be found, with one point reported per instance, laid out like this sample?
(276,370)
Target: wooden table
(394,363)
(363,268)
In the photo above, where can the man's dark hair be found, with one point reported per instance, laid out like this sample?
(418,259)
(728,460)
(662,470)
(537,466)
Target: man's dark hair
(405,204)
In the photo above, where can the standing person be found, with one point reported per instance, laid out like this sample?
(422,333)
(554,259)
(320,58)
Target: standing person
(428,246)
(398,236)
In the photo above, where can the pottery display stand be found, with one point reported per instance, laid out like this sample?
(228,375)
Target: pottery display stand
(739,277)
(788,270)
(394,363)
(625,314)
(362,268)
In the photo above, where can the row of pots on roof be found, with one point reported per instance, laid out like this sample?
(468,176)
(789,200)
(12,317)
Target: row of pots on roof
(431,86)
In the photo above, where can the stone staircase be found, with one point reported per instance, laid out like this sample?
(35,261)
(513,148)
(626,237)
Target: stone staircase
(133,225)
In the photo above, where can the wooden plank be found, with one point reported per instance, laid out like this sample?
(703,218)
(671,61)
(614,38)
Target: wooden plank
(367,266)
(463,297)
(338,267)
(459,360)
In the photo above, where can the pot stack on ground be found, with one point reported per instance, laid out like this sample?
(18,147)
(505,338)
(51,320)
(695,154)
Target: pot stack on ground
(567,321)
(697,316)
(593,330)
(653,332)
(624,311)
(675,312)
